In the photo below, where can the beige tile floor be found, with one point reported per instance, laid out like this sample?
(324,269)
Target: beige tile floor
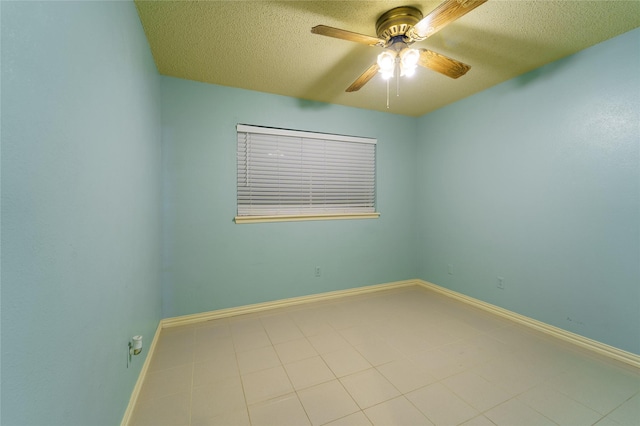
(400,357)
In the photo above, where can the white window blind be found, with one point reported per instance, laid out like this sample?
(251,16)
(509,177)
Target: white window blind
(286,172)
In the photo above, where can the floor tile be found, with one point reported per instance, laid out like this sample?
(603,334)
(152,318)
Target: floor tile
(512,375)
(171,357)
(312,328)
(517,336)
(245,324)
(266,384)
(458,329)
(466,353)
(212,330)
(161,383)
(342,319)
(378,352)
(308,372)
(358,334)
(211,348)
(346,361)
(397,411)
(440,405)
(216,399)
(355,419)
(489,347)
(396,357)
(607,421)
(328,342)
(434,337)
(408,343)
(558,407)
(628,413)
(600,389)
(282,411)
(170,411)
(476,391)
(283,332)
(405,375)
(251,340)
(483,321)
(369,387)
(235,418)
(214,369)
(515,412)
(327,402)
(438,363)
(295,350)
(174,337)
(479,421)
(257,359)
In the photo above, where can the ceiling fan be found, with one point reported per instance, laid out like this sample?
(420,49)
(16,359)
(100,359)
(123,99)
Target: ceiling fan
(397,29)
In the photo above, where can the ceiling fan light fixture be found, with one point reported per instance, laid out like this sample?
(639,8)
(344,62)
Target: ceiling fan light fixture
(410,57)
(409,62)
(386,60)
(386,64)
(397,29)
(407,72)
(386,75)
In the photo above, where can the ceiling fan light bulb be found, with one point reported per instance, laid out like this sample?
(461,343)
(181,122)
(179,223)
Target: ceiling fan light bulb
(407,71)
(386,61)
(410,57)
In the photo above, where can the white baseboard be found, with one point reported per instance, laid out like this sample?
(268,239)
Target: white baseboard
(143,373)
(567,336)
(597,347)
(240,310)
(259,307)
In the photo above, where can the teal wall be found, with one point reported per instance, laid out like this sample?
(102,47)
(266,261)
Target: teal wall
(81,204)
(212,263)
(537,180)
(118,186)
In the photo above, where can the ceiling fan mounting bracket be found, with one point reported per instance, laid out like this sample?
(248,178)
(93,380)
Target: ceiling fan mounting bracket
(397,22)
(398,43)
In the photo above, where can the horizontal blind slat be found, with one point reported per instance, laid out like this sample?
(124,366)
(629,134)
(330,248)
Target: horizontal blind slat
(289,173)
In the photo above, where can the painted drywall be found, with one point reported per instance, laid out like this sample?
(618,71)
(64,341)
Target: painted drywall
(537,180)
(81,204)
(211,263)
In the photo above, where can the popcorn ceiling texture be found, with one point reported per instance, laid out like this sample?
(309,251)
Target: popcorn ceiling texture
(267,46)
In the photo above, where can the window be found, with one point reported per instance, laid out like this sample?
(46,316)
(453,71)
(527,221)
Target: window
(294,175)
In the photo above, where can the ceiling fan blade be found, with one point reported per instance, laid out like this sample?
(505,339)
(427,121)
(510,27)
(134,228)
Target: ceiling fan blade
(442,64)
(444,14)
(347,35)
(364,78)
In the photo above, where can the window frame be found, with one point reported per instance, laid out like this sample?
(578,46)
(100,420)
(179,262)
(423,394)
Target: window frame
(333,211)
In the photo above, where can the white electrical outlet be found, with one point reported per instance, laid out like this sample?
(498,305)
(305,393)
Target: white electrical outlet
(501,283)
(318,272)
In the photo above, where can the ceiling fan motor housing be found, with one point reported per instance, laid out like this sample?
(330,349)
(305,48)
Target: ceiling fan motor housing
(396,22)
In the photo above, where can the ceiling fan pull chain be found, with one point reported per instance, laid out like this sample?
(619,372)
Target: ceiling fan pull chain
(387,93)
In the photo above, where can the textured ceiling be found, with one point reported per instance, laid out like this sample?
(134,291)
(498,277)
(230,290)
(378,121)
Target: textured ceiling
(267,46)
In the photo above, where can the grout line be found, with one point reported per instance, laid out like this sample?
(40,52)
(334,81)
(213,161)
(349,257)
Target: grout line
(244,392)
(637,394)
(193,369)
(321,319)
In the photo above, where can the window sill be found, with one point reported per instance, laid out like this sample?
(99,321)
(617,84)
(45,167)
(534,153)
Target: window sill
(302,217)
